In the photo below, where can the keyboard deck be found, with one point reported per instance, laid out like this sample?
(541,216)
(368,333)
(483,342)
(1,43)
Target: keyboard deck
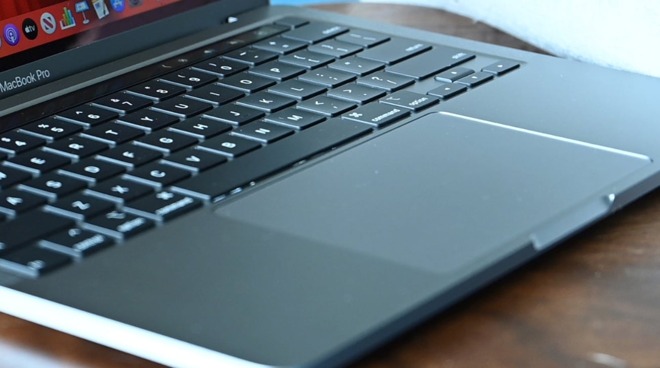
(97,174)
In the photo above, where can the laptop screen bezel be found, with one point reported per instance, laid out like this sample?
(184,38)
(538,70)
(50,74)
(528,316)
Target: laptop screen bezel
(120,44)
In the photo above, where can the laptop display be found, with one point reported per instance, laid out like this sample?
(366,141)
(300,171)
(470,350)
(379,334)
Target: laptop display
(34,29)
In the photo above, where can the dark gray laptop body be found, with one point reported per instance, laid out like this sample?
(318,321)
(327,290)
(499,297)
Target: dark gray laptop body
(322,262)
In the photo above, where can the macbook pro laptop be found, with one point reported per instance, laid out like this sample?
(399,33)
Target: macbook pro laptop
(210,183)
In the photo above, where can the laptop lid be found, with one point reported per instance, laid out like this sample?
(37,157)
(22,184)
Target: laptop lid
(40,38)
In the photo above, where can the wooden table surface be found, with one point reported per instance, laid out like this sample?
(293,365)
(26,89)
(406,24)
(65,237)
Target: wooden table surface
(593,302)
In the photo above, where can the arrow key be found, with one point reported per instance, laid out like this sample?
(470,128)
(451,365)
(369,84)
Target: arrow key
(195,160)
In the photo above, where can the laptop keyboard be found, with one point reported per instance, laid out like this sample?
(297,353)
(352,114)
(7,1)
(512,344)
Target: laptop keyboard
(89,177)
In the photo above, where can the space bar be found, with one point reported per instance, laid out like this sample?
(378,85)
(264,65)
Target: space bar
(237,173)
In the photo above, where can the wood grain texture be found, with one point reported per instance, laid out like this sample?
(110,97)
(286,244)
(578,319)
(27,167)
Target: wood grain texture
(592,303)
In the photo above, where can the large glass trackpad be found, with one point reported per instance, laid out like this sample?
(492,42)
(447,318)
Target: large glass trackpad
(442,192)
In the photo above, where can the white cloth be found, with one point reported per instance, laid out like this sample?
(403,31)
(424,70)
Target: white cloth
(621,34)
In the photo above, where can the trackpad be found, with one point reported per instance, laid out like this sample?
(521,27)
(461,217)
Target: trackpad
(442,192)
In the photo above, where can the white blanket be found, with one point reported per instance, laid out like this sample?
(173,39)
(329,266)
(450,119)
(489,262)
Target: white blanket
(622,34)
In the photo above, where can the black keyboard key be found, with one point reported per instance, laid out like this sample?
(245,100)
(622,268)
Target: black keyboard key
(156,90)
(52,129)
(77,147)
(123,103)
(357,65)
(163,206)
(130,155)
(410,100)
(501,67)
(201,127)
(119,190)
(280,45)
(315,32)
(76,242)
(326,106)
(335,48)
(93,170)
(118,224)
(183,107)
(295,118)
(53,186)
(234,114)
(387,81)
(316,139)
(38,162)
(251,56)
(327,77)
(88,115)
(17,142)
(297,89)
(216,94)
(278,71)
(80,207)
(167,141)
(378,115)
(113,133)
(221,67)
(195,160)
(158,175)
(292,22)
(13,202)
(148,120)
(246,82)
(22,230)
(263,132)
(10,177)
(432,62)
(33,261)
(229,145)
(448,90)
(189,78)
(266,101)
(475,79)
(363,38)
(356,93)
(453,74)
(307,59)
(395,50)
